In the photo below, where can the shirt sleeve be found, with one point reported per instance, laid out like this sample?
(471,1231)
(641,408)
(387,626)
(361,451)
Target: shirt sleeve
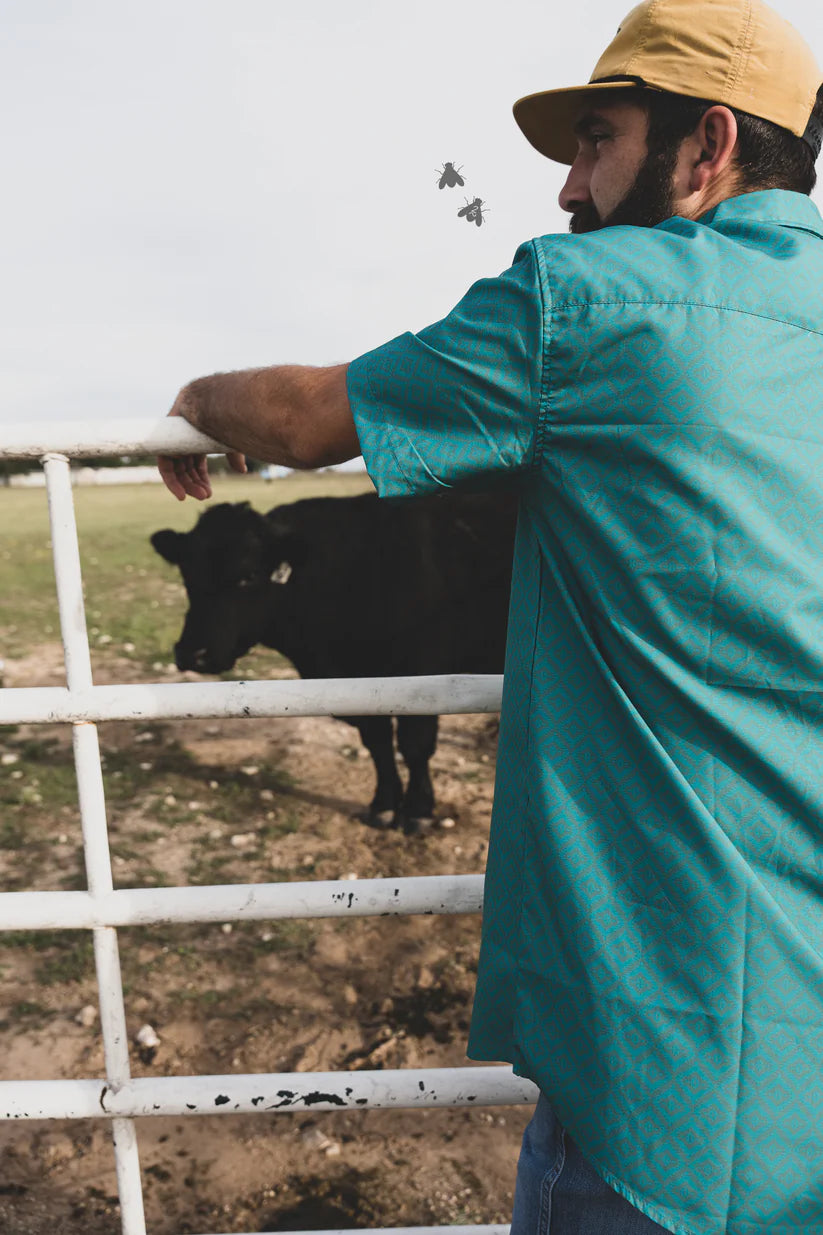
(458,402)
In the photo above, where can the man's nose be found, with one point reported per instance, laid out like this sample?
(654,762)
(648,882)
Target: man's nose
(576,192)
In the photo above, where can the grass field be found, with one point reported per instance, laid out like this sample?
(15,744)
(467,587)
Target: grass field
(134,600)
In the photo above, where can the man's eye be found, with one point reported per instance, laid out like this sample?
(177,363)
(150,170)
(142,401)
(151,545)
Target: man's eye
(598,137)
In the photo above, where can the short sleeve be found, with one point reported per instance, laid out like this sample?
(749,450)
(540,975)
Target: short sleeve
(459,402)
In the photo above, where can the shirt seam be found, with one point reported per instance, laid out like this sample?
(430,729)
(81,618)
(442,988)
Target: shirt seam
(544,399)
(693,304)
(521,981)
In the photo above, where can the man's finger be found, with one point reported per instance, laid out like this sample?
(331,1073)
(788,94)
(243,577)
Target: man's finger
(166,468)
(185,475)
(195,475)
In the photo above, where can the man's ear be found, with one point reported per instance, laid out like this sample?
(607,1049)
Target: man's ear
(714,141)
(167,544)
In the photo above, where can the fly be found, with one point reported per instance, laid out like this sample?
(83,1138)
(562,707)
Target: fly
(450,176)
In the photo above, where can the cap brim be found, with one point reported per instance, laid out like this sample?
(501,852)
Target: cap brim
(547,119)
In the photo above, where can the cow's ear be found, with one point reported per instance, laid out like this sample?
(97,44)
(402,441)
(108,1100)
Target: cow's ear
(285,546)
(168,544)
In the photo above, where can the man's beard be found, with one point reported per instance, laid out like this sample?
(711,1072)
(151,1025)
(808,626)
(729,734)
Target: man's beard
(648,202)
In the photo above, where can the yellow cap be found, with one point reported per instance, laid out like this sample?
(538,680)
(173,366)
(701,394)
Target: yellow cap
(737,52)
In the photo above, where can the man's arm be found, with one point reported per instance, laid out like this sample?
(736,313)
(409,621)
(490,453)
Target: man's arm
(295,415)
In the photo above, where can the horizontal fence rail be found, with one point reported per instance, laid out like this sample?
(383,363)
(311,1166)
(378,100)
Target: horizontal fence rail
(443,694)
(265,1093)
(251,902)
(93,440)
(102,909)
(413,1230)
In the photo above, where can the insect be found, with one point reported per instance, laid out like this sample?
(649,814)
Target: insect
(450,175)
(472,212)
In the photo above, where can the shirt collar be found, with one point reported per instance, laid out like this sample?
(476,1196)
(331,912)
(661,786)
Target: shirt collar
(767,206)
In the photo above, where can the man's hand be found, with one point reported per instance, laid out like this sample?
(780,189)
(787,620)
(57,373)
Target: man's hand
(294,415)
(188,475)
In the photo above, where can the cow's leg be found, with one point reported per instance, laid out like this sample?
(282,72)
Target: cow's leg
(376,732)
(417,740)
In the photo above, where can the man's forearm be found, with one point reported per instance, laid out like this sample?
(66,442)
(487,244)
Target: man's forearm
(296,415)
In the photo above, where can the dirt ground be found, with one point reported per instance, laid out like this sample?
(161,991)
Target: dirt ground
(220,801)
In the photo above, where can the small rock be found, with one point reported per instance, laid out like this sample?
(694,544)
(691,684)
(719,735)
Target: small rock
(447,823)
(227,928)
(250,770)
(315,1138)
(128,647)
(266,795)
(242,840)
(61,1148)
(8,759)
(169,800)
(147,1036)
(425,978)
(145,736)
(215,833)
(87,1016)
(62,839)
(212,731)
(350,994)
(214,784)
(145,767)
(332,1150)
(147,1043)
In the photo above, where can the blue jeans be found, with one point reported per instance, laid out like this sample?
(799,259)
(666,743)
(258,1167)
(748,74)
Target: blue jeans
(558,1193)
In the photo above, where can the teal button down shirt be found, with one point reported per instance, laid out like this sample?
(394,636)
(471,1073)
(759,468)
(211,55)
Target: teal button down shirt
(652,952)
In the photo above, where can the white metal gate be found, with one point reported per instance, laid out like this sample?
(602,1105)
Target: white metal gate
(101,909)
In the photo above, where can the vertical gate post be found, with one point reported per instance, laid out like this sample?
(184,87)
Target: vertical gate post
(91,795)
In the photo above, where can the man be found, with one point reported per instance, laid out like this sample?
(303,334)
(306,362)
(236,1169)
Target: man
(652,387)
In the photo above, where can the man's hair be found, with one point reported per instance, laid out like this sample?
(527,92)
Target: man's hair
(767,156)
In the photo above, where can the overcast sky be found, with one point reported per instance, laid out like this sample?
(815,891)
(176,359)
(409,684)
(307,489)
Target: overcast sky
(196,185)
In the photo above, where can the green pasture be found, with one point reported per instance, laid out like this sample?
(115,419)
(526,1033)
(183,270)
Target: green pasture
(134,600)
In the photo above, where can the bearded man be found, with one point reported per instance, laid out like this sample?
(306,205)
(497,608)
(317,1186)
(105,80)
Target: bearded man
(652,388)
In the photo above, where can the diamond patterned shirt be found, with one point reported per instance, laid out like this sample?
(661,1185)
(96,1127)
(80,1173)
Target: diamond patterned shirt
(652,951)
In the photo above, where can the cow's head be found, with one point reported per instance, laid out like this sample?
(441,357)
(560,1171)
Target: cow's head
(230,561)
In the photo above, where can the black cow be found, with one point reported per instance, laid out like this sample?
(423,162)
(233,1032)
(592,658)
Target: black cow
(354,587)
